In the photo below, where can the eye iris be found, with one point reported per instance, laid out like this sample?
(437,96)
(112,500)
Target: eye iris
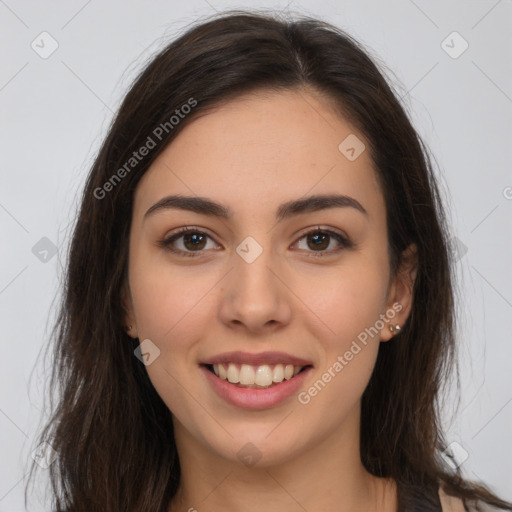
(194,236)
(317,236)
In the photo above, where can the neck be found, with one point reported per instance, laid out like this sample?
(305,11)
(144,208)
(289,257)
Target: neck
(328,475)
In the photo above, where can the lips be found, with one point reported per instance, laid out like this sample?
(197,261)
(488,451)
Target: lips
(254,396)
(268,358)
(255,380)
(257,371)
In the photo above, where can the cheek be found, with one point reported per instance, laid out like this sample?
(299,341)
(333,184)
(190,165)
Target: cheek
(340,386)
(349,306)
(166,297)
(170,306)
(348,299)
(351,310)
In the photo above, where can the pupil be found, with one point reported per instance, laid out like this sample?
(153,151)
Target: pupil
(189,237)
(316,237)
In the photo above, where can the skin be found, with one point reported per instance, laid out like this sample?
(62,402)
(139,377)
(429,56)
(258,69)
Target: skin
(251,154)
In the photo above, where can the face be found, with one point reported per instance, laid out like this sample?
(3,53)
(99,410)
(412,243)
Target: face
(309,281)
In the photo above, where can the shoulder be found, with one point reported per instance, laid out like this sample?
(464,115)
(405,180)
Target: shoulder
(450,503)
(454,504)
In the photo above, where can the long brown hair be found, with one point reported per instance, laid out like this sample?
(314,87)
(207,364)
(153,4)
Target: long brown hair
(111,432)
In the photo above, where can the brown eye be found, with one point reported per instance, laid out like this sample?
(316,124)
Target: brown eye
(196,241)
(193,241)
(319,240)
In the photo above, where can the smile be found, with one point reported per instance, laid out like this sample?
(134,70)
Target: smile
(255,377)
(252,395)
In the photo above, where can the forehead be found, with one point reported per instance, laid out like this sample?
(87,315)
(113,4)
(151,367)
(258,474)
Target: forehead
(261,148)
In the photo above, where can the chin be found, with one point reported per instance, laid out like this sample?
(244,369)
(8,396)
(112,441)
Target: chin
(256,448)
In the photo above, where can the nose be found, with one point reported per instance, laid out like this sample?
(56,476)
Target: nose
(255,296)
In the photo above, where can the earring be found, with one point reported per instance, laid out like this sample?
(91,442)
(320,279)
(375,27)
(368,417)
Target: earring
(128,328)
(394,329)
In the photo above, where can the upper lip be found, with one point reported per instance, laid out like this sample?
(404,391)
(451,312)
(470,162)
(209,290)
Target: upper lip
(261,358)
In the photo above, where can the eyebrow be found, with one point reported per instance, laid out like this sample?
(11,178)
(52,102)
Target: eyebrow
(205,206)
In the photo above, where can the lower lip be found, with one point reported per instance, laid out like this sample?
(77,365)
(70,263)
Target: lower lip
(248,398)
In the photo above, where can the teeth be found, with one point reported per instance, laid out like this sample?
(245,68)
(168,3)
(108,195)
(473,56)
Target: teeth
(278,375)
(222,373)
(264,375)
(246,374)
(233,374)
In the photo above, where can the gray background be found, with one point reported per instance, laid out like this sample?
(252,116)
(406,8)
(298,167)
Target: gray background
(55,111)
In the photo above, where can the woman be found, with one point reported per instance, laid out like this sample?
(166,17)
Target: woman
(259,307)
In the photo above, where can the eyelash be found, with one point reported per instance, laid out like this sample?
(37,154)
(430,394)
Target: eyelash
(344,242)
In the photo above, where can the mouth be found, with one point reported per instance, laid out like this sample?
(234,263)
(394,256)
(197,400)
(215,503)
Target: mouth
(249,376)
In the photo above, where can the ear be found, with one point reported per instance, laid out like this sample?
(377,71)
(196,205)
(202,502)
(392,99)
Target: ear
(399,302)
(129,316)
